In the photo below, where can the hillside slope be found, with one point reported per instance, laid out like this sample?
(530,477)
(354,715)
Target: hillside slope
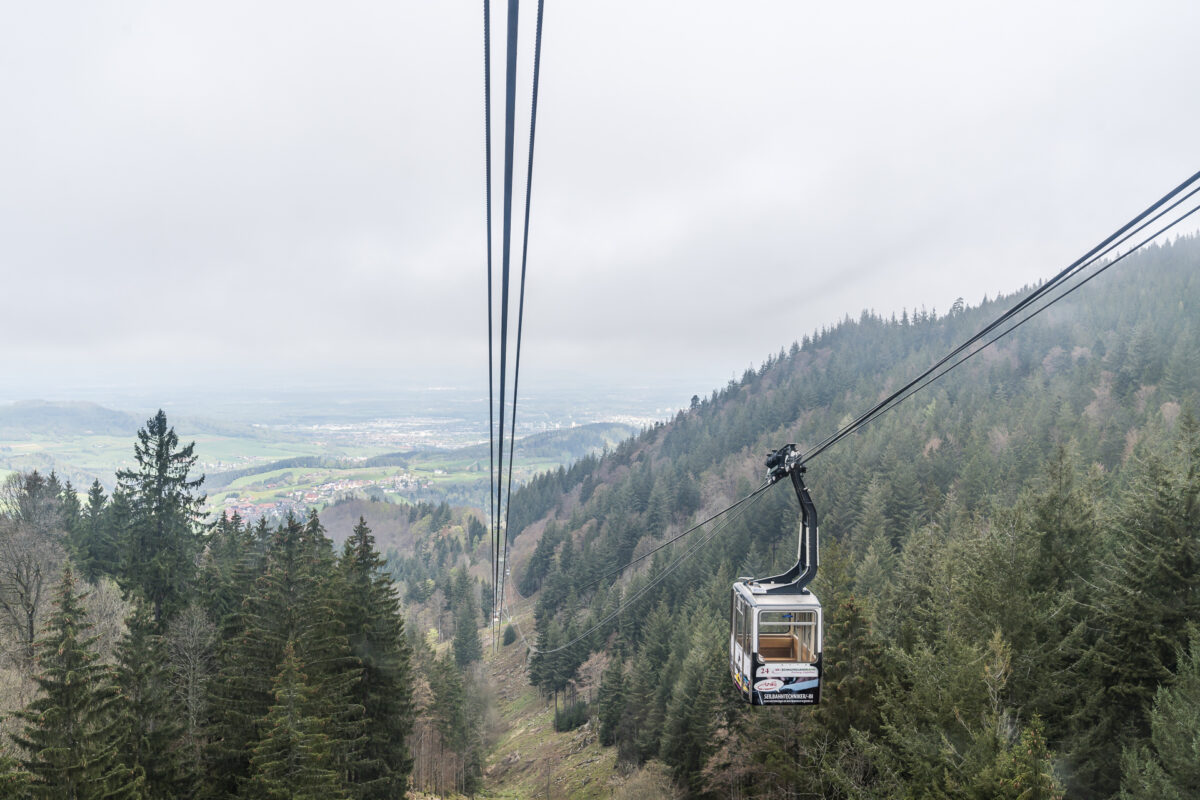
(986,521)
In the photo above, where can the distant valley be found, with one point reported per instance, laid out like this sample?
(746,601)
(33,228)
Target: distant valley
(288,456)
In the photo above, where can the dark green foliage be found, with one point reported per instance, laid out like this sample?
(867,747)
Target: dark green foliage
(14,781)
(70,516)
(303,688)
(571,716)
(375,629)
(646,703)
(97,549)
(467,648)
(161,542)
(475,531)
(946,727)
(1146,595)
(294,758)
(691,717)
(149,725)
(853,673)
(117,523)
(611,700)
(1021,541)
(540,562)
(70,735)
(1168,767)
(510,635)
(232,558)
(292,601)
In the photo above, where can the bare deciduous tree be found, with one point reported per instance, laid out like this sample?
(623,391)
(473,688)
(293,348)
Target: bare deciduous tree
(107,611)
(191,644)
(31,557)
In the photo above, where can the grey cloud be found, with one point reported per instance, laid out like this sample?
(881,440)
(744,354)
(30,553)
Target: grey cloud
(301,184)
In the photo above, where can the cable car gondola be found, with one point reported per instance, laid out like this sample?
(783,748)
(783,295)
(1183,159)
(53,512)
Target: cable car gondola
(775,623)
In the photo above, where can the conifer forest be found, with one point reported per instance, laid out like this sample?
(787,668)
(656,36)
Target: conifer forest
(1010,572)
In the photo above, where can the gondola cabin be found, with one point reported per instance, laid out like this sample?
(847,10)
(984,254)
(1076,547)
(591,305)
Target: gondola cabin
(775,623)
(775,645)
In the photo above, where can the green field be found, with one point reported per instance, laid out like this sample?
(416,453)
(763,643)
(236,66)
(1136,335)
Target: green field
(253,469)
(83,458)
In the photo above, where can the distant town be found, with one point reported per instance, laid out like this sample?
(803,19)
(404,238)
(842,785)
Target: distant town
(316,495)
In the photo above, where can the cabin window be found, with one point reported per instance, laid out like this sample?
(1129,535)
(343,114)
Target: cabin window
(741,627)
(788,635)
(733,603)
(733,614)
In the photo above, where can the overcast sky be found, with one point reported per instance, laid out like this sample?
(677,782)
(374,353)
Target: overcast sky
(282,192)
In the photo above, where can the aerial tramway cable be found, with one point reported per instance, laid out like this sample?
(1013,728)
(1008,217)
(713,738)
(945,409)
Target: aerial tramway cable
(740,507)
(1107,265)
(500,493)
(1033,297)
(762,488)
(510,94)
(1156,211)
(487,151)
(537,61)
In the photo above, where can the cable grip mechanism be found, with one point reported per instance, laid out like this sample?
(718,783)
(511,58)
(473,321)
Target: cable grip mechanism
(782,462)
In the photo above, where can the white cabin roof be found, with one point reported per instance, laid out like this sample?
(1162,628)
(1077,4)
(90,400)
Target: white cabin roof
(776,600)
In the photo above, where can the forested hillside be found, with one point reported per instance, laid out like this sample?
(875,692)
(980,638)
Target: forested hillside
(1009,571)
(146,652)
(1010,564)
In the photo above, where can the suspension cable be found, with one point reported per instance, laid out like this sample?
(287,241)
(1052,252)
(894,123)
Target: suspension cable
(1082,262)
(691,551)
(766,484)
(762,488)
(1139,223)
(537,63)
(487,159)
(510,101)
(500,490)
(1039,310)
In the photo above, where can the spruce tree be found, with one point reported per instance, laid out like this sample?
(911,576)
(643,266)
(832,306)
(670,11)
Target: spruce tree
(1144,600)
(467,649)
(611,699)
(294,600)
(690,720)
(324,643)
(1168,766)
(648,692)
(117,522)
(70,735)
(293,760)
(1023,771)
(70,513)
(250,655)
(228,568)
(852,662)
(14,781)
(375,630)
(149,724)
(452,714)
(98,552)
(162,541)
